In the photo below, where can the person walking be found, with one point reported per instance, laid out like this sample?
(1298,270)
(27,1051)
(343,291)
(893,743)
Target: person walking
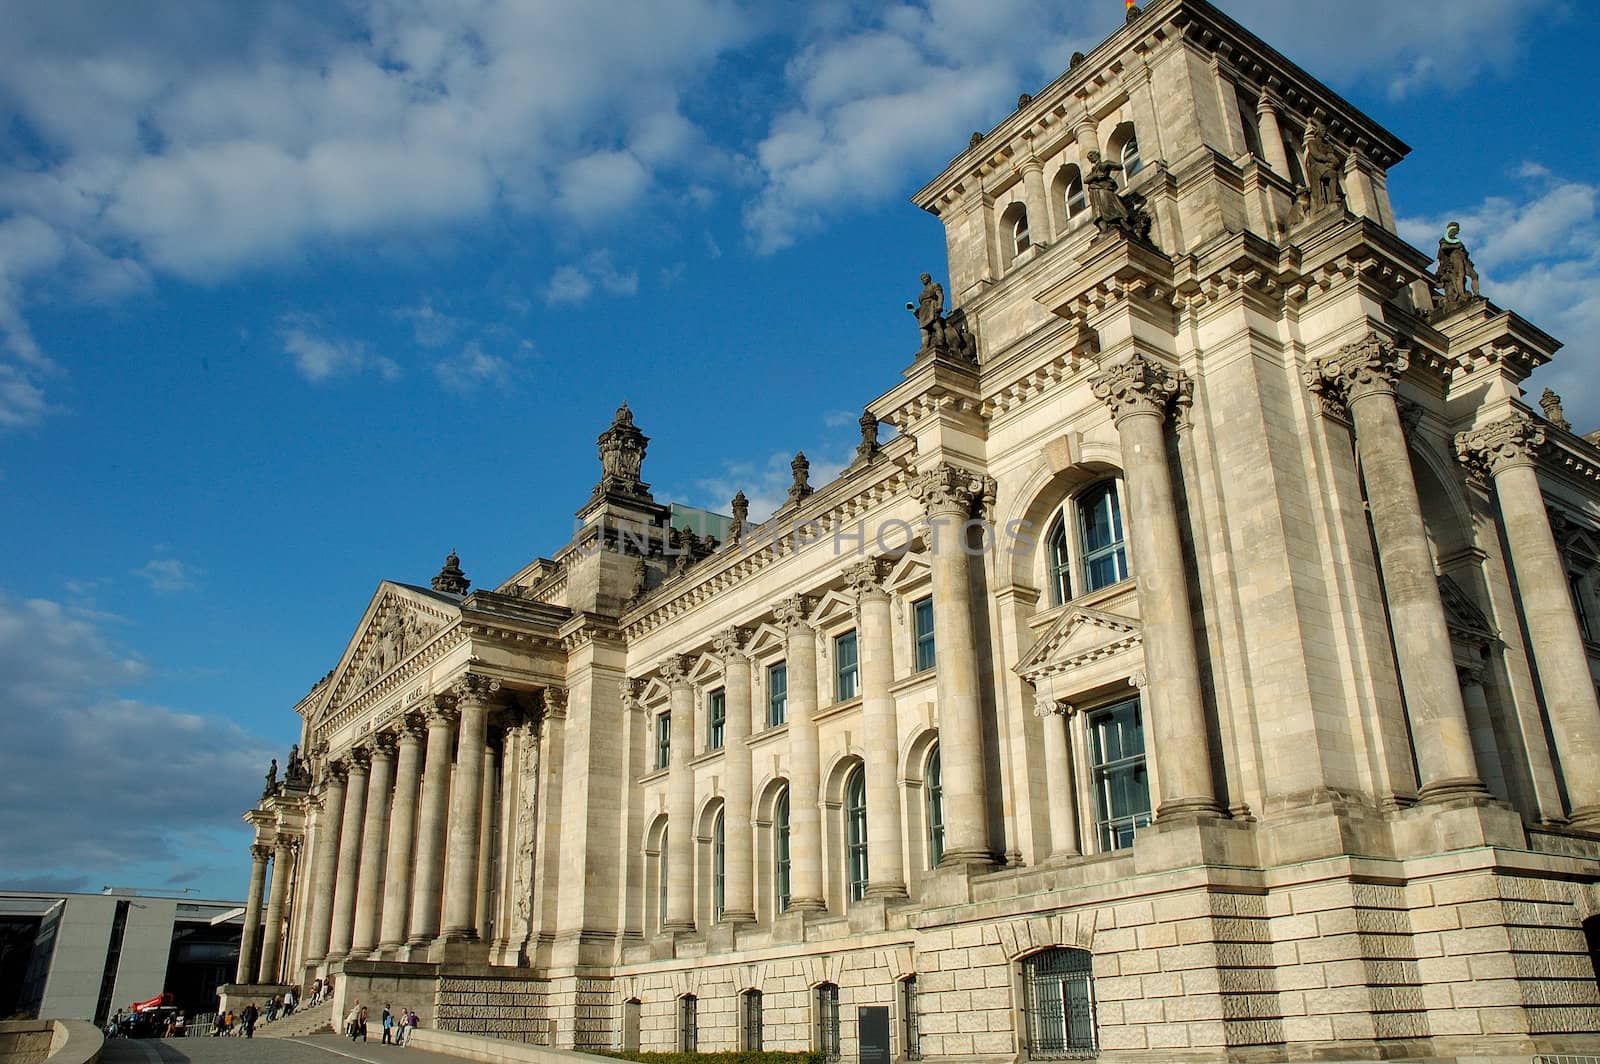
(248,1017)
(388,1026)
(361,1021)
(290,1000)
(351,1019)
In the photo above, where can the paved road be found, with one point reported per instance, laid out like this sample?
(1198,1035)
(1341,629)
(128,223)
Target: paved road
(314,1049)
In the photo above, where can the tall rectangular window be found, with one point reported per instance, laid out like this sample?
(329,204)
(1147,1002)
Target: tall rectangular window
(908,1018)
(750,1022)
(1121,784)
(777,694)
(716,718)
(846,669)
(922,625)
(663,740)
(688,1024)
(1105,561)
(827,1016)
(780,852)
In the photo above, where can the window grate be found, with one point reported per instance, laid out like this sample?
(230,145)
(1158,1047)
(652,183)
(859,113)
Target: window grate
(828,1021)
(908,1018)
(752,1021)
(688,1024)
(1058,1001)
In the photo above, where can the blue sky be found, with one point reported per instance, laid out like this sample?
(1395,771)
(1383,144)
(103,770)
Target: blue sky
(298,297)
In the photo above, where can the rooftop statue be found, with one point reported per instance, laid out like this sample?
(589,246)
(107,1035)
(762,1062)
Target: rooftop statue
(622,451)
(1456,271)
(451,580)
(1111,209)
(272,780)
(801,468)
(1324,169)
(868,448)
(949,335)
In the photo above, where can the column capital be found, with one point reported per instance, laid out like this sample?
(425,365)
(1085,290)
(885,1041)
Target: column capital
(866,578)
(360,758)
(444,712)
(1357,370)
(474,688)
(553,702)
(337,771)
(731,642)
(630,690)
(675,670)
(793,613)
(947,489)
(260,853)
(1505,444)
(413,728)
(1045,707)
(1136,386)
(384,744)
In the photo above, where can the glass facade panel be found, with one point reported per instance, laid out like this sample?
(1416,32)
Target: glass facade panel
(846,669)
(1121,784)
(922,625)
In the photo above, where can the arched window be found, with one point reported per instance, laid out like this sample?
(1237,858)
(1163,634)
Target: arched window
(780,851)
(1072,192)
(1105,561)
(933,788)
(1131,162)
(825,1033)
(750,1021)
(855,820)
(1096,556)
(719,869)
(1019,234)
(1058,1003)
(688,1024)
(1059,560)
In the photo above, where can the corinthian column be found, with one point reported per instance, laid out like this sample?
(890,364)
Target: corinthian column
(402,835)
(325,865)
(425,892)
(374,846)
(1138,392)
(948,495)
(1509,450)
(344,891)
(277,898)
(1060,797)
(252,914)
(680,798)
(1364,374)
(805,769)
(886,875)
(739,899)
(472,693)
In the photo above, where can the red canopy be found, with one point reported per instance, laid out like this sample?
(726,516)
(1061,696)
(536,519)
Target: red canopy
(155,1002)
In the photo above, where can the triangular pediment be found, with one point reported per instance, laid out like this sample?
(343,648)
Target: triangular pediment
(1080,635)
(1462,616)
(399,621)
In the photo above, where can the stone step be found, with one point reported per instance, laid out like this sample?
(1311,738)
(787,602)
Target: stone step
(300,1023)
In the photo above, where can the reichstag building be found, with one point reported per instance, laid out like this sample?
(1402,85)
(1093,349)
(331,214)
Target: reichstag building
(1197,662)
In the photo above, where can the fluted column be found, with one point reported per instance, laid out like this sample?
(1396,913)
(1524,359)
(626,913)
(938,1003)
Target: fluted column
(402,834)
(1138,393)
(1061,800)
(680,798)
(1509,450)
(374,846)
(948,495)
(277,898)
(486,844)
(431,823)
(1272,146)
(344,890)
(886,869)
(805,769)
(739,898)
(325,864)
(1363,374)
(472,694)
(252,914)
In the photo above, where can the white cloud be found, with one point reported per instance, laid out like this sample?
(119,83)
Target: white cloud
(163,780)
(575,283)
(471,369)
(319,359)
(167,575)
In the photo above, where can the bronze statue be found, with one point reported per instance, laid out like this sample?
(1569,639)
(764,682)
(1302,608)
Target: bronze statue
(1456,269)
(272,780)
(1324,169)
(929,309)
(1110,208)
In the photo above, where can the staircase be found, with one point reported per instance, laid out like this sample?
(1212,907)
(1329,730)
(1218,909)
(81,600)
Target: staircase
(299,1023)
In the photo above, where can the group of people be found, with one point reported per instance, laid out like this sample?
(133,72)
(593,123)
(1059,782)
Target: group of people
(321,991)
(397,1026)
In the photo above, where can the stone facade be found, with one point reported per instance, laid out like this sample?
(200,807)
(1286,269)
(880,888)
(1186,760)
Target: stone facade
(1201,671)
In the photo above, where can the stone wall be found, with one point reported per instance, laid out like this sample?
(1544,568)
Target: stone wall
(514,1009)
